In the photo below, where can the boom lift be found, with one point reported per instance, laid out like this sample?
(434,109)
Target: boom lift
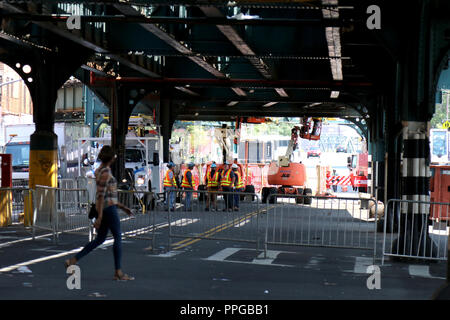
(291,176)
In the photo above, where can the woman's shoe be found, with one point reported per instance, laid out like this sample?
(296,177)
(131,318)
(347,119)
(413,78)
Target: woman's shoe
(123,277)
(68,263)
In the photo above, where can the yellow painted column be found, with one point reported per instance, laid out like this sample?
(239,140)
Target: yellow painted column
(27,209)
(43,167)
(5,208)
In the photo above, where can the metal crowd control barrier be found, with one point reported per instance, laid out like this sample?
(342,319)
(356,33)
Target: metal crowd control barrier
(13,205)
(66,211)
(324,221)
(410,234)
(20,183)
(243,225)
(61,211)
(143,221)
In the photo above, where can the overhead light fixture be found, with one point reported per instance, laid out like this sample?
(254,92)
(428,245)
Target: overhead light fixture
(269,104)
(188,91)
(232,103)
(242,16)
(333,38)
(239,92)
(334,94)
(313,104)
(281,92)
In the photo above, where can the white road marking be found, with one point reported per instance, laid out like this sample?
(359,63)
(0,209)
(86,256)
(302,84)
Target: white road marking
(227,252)
(421,271)
(270,257)
(223,254)
(314,262)
(361,264)
(166,254)
(179,222)
(66,253)
(7,244)
(242,223)
(30,262)
(48,249)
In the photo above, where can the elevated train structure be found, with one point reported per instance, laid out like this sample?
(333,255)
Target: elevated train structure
(204,60)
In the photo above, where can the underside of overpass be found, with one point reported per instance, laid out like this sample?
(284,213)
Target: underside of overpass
(217,60)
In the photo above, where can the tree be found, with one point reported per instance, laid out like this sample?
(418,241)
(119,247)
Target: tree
(440,113)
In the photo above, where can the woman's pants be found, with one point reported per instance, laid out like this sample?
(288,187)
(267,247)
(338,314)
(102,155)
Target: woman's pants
(111,221)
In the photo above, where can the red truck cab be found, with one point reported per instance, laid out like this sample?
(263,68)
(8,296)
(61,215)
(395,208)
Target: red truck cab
(359,165)
(439,191)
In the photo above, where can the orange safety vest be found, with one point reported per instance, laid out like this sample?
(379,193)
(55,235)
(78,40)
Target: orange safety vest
(240,182)
(168,182)
(185,182)
(226,179)
(214,180)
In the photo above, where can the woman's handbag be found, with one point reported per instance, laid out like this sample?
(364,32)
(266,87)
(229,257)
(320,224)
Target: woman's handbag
(93,212)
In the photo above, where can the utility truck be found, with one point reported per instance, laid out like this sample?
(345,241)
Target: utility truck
(18,145)
(143,159)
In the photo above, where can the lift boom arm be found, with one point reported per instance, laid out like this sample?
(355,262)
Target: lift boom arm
(304,132)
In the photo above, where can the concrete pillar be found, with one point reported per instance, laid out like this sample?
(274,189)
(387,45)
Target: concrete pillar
(44,142)
(413,225)
(120,112)
(166,121)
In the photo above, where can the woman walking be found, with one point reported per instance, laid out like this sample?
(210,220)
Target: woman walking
(108,217)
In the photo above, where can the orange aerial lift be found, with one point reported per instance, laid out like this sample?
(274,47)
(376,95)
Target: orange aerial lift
(290,177)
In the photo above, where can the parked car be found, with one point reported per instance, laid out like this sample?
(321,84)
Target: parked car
(341,149)
(313,152)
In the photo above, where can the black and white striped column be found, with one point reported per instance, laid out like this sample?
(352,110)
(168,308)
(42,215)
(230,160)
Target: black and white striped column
(415,170)
(369,175)
(413,237)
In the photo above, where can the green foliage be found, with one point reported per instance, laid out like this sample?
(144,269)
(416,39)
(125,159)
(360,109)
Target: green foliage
(272,128)
(440,113)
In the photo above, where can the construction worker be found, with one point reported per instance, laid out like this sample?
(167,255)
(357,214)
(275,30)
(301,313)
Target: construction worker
(227,183)
(238,186)
(187,183)
(170,185)
(212,185)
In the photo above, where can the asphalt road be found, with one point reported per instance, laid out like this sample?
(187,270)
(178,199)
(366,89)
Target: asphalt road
(201,264)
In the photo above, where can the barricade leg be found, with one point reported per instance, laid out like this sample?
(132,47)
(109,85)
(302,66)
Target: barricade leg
(28,208)
(5,208)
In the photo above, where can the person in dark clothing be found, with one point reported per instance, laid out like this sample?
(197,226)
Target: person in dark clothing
(187,183)
(238,186)
(227,183)
(212,185)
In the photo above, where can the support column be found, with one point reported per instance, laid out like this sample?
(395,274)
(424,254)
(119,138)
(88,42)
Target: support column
(120,112)
(414,239)
(43,158)
(166,121)
(44,142)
